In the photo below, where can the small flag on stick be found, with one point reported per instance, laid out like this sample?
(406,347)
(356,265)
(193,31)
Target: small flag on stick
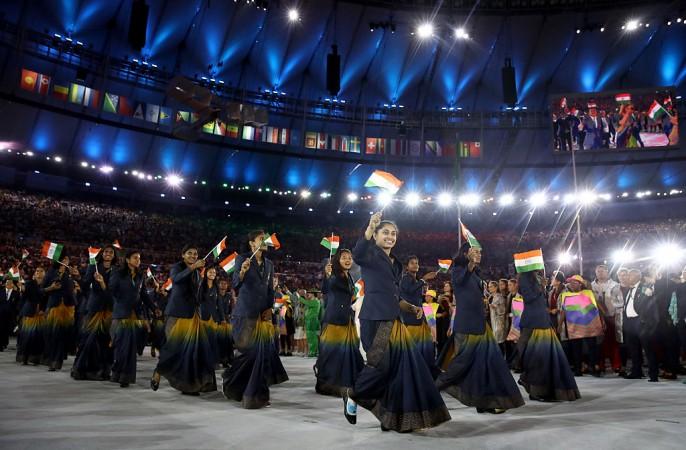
(469,237)
(656,110)
(167,285)
(331,243)
(24,254)
(444,265)
(218,249)
(384,180)
(529,261)
(14,273)
(92,255)
(623,98)
(359,290)
(229,263)
(52,250)
(116,244)
(272,241)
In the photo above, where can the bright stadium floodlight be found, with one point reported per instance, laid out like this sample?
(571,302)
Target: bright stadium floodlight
(173,180)
(461,33)
(569,198)
(538,199)
(622,256)
(412,199)
(425,30)
(470,199)
(565,258)
(106,169)
(668,254)
(445,199)
(352,197)
(305,193)
(631,25)
(587,198)
(506,200)
(293,15)
(384,198)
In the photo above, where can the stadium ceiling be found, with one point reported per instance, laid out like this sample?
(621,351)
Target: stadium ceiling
(504,7)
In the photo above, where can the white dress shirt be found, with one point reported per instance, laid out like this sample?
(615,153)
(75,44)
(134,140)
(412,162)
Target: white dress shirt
(630,310)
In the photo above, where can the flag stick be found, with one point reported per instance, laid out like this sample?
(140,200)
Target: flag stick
(331,248)
(213,247)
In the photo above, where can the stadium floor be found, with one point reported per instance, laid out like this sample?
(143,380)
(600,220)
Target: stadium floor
(39,409)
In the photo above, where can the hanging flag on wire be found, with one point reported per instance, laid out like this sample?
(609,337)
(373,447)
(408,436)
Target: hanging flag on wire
(384,180)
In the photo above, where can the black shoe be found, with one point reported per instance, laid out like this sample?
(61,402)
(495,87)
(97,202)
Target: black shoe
(622,374)
(52,369)
(653,380)
(490,410)
(192,394)
(633,377)
(289,354)
(351,418)
(123,385)
(154,385)
(537,399)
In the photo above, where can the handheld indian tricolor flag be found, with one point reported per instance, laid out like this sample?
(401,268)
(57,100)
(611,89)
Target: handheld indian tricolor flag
(92,255)
(623,98)
(24,254)
(229,263)
(52,250)
(331,243)
(14,273)
(218,249)
(149,273)
(529,261)
(167,284)
(469,237)
(359,290)
(656,110)
(272,241)
(384,180)
(444,265)
(116,244)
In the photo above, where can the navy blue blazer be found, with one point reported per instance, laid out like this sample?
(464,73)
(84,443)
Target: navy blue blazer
(98,300)
(256,291)
(339,295)
(469,303)
(65,293)
(411,291)
(535,313)
(224,302)
(381,275)
(33,299)
(209,305)
(183,298)
(128,294)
